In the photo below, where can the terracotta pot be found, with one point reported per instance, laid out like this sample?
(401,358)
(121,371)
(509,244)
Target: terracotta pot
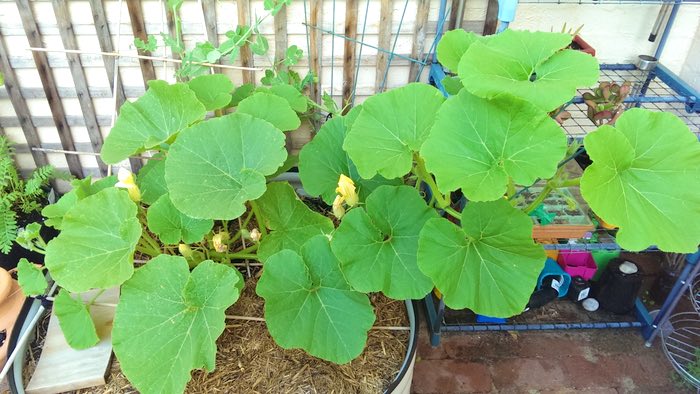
(580,44)
(11,300)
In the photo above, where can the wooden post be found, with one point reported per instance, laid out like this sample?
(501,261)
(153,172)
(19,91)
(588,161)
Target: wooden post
(419,38)
(384,42)
(65,28)
(246,55)
(491,22)
(349,59)
(49,84)
(315,46)
(105,38)
(209,11)
(281,42)
(21,109)
(139,29)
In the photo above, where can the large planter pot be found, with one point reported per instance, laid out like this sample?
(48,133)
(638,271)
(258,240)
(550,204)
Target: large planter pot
(11,300)
(10,260)
(400,385)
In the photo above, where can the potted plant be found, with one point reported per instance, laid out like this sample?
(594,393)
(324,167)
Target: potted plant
(606,102)
(205,204)
(21,201)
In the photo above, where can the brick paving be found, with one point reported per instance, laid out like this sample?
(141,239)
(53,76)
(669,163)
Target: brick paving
(581,362)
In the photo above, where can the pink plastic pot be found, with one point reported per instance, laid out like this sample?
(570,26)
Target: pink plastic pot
(577,263)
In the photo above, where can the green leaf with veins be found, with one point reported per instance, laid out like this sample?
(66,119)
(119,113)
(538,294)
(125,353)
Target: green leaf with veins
(214,167)
(212,90)
(309,305)
(95,248)
(242,92)
(290,219)
(151,179)
(271,108)
(81,188)
(297,101)
(645,179)
(168,320)
(478,144)
(489,265)
(322,160)
(530,65)
(173,226)
(75,321)
(452,46)
(151,120)
(31,278)
(377,245)
(390,128)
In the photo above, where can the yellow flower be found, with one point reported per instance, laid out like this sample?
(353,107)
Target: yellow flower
(346,189)
(218,241)
(127,181)
(255,235)
(185,250)
(338,209)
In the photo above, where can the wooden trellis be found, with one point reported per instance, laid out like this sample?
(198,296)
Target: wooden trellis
(60,101)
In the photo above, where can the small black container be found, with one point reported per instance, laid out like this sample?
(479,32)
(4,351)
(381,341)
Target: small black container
(619,286)
(579,289)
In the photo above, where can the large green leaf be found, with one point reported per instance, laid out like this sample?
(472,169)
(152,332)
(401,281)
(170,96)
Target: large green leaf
(390,128)
(81,188)
(212,90)
(31,278)
(75,321)
(645,178)
(489,265)
(529,65)
(377,247)
(172,226)
(95,248)
(292,222)
(452,46)
(168,319)
(309,305)
(322,160)
(214,167)
(477,144)
(272,108)
(296,100)
(151,180)
(156,116)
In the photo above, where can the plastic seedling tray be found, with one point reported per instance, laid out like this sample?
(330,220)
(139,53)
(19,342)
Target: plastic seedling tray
(570,221)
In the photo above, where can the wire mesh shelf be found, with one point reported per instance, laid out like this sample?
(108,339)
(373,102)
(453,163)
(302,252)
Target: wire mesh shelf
(694,289)
(680,337)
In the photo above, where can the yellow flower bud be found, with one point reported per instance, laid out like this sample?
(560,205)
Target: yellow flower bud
(218,241)
(338,209)
(185,250)
(255,235)
(346,189)
(127,181)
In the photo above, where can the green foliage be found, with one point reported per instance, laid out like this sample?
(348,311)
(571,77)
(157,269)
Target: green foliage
(172,226)
(644,179)
(95,248)
(377,245)
(160,332)
(292,222)
(259,104)
(75,321)
(214,90)
(531,65)
(81,188)
(452,46)
(489,265)
(17,195)
(151,180)
(31,278)
(309,305)
(469,147)
(150,45)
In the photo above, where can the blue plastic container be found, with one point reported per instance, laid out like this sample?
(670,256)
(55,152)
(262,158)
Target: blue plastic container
(551,268)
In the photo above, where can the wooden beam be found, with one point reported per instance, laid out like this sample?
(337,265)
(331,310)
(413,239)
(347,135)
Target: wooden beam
(243,7)
(209,12)
(315,46)
(384,42)
(419,38)
(65,28)
(21,109)
(139,29)
(105,38)
(281,42)
(349,59)
(49,84)
(170,17)
(491,21)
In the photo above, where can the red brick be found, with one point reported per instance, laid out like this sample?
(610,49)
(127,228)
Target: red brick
(582,373)
(427,352)
(523,374)
(450,376)
(478,347)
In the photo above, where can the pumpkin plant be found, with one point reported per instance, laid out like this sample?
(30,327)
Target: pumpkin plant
(391,169)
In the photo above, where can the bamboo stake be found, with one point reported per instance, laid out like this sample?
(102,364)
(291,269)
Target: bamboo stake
(157,58)
(81,153)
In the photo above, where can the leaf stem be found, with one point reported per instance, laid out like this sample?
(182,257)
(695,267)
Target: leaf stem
(422,173)
(548,188)
(259,218)
(452,212)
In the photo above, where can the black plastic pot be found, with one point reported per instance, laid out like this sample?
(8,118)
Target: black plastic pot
(10,260)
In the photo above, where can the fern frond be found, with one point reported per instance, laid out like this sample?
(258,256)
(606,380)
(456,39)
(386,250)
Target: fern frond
(8,230)
(40,177)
